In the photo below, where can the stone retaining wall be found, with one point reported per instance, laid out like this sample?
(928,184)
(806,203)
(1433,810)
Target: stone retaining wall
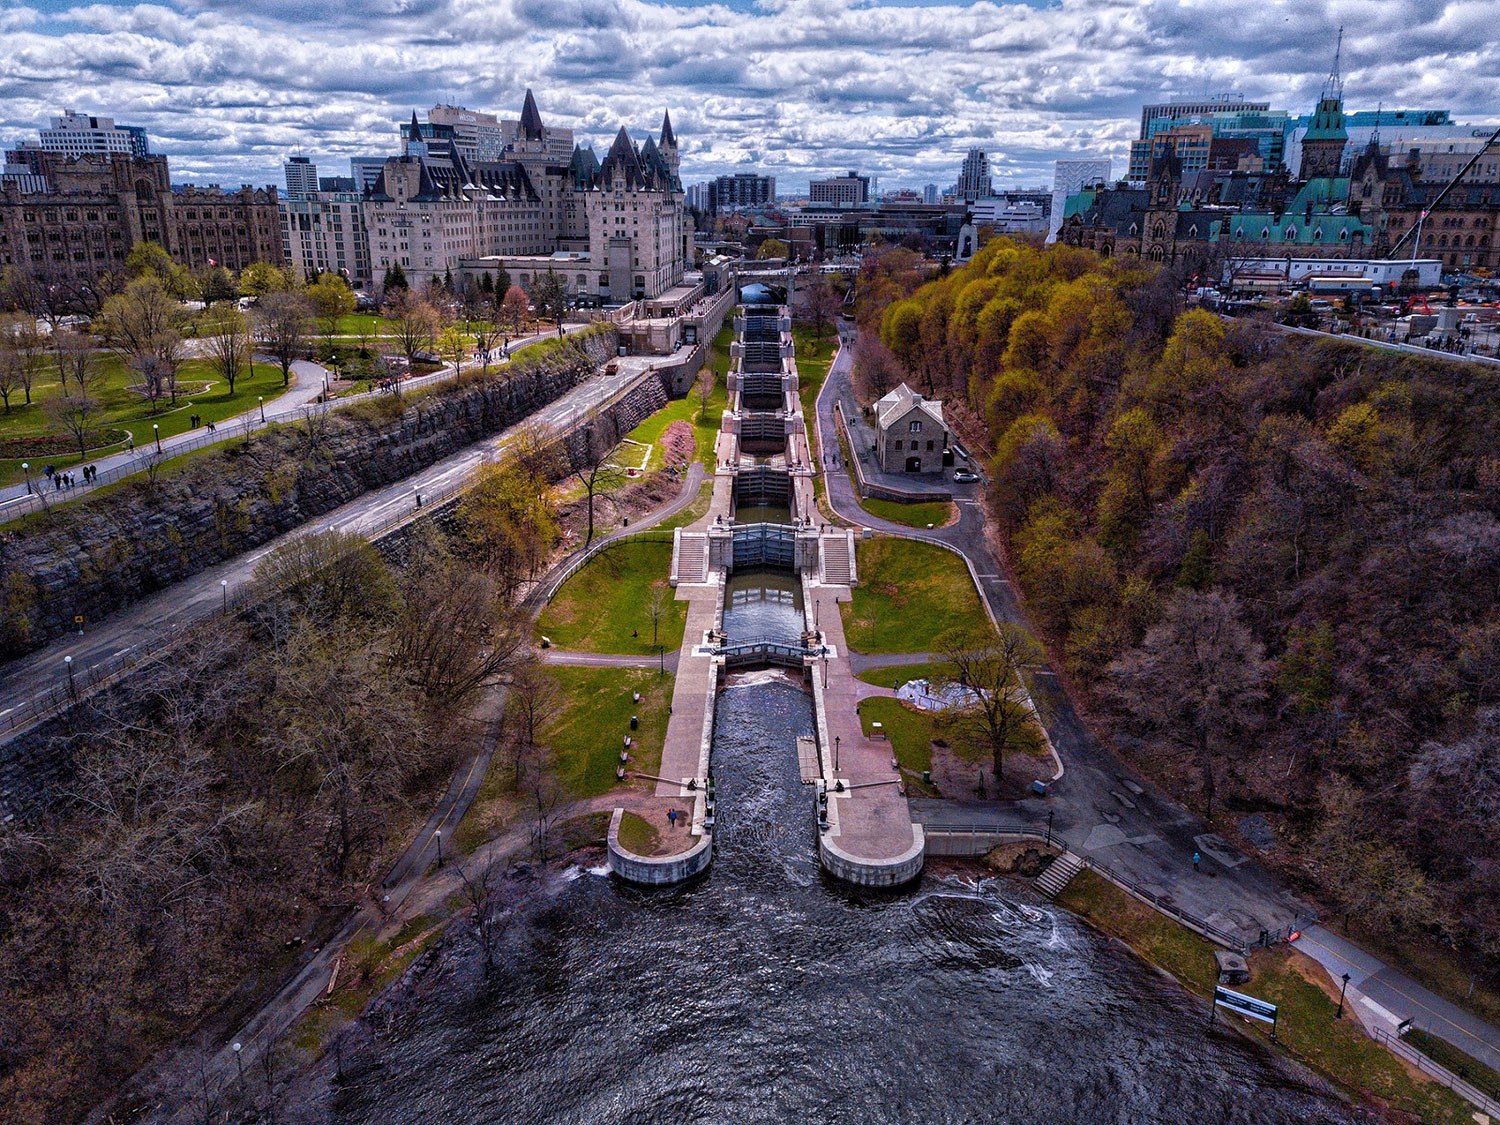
(94,557)
(873,872)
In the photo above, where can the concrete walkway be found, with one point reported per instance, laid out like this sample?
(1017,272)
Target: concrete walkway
(1107,811)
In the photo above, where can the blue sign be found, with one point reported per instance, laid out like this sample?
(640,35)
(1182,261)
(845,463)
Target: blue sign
(1245,1005)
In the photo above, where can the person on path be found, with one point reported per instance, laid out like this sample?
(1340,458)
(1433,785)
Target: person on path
(1197,859)
(672,817)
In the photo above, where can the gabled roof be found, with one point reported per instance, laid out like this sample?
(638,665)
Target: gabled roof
(898,403)
(531,119)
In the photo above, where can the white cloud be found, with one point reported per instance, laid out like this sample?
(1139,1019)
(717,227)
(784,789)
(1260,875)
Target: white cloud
(229,87)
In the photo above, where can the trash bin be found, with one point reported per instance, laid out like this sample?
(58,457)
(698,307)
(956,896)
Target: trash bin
(1039,788)
(926,777)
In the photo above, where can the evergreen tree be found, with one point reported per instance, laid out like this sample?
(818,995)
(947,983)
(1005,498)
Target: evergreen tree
(395,278)
(486,282)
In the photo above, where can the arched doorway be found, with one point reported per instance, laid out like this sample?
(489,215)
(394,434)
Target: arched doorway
(914,464)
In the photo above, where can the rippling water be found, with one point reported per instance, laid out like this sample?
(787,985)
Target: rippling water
(767,993)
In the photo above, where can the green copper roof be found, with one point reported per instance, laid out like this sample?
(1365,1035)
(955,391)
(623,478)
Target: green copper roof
(1328,122)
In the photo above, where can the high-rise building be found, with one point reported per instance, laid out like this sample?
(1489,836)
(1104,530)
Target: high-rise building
(365,170)
(743,189)
(849,190)
(974,177)
(1179,108)
(78,134)
(324,232)
(301,177)
(930,193)
(478,136)
(1068,178)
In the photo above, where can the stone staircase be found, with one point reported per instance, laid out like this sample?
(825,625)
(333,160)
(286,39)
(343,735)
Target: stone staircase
(690,558)
(835,559)
(1059,874)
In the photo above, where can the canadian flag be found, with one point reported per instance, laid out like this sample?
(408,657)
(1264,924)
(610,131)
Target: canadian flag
(1424,219)
(214,263)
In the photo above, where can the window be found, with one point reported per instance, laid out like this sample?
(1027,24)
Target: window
(929,445)
(898,443)
(914,427)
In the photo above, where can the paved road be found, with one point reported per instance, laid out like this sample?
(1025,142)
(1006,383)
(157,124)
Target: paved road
(1111,814)
(308,384)
(149,621)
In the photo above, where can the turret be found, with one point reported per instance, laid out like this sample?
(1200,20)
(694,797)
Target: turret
(668,142)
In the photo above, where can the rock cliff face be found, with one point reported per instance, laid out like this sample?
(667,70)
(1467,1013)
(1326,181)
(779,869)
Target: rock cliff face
(93,557)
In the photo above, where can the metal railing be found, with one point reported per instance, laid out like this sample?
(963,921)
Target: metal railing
(1020,831)
(1436,1071)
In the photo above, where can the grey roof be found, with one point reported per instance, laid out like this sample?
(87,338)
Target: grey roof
(531,119)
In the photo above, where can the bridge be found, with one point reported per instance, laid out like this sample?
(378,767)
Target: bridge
(740,654)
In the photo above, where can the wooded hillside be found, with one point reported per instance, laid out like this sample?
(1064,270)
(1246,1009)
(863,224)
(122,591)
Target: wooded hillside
(1269,565)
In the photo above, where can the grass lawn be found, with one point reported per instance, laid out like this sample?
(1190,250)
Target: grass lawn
(1306,1028)
(894,675)
(591,718)
(693,512)
(910,593)
(1470,1069)
(705,423)
(598,608)
(910,732)
(937,512)
(124,413)
(814,357)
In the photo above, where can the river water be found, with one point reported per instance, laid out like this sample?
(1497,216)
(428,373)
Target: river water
(766,992)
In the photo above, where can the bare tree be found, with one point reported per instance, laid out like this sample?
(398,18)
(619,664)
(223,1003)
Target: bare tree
(226,340)
(705,384)
(77,412)
(11,379)
(31,351)
(989,665)
(481,882)
(143,324)
(820,304)
(74,353)
(416,323)
(1197,681)
(283,320)
(656,608)
(454,633)
(592,467)
(533,694)
(513,308)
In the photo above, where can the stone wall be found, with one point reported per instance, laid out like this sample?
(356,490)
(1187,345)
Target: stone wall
(656,871)
(94,557)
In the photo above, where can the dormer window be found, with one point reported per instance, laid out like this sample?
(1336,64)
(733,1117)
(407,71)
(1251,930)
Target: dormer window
(1265,232)
(1318,235)
(1290,234)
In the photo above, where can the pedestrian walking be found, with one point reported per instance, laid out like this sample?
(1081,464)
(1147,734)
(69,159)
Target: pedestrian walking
(672,817)
(1197,859)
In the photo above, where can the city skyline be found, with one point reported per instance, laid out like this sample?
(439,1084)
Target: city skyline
(795,88)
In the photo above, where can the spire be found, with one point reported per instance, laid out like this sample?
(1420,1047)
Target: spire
(667,136)
(416,127)
(1375,133)
(531,120)
(1334,87)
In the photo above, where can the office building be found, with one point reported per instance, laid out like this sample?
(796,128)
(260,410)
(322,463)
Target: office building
(743,189)
(301,177)
(79,134)
(325,232)
(1068,178)
(974,177)
(849,190)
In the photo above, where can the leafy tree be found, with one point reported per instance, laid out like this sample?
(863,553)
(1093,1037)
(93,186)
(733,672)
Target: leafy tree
(514,308)
(550,293)
(507,520)
(772,248)
(150,259)
(215,283)
(260,278)
(990,665)
(415,322)
(331,298)
(453,346)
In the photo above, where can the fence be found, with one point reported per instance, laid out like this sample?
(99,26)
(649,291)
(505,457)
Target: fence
(1437,1072)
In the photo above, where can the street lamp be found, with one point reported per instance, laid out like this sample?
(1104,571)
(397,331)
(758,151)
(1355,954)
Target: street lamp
(1340,1013)
(26,468)
(68,663)
(224,590)
(836,740)
(262,399)
(661,660)
(239,1058)
(438,836)
(156,432)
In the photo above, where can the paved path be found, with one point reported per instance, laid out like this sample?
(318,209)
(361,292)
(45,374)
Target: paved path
(1111,814)
(308,383)
(146,623)
(610,660)
(1382,997)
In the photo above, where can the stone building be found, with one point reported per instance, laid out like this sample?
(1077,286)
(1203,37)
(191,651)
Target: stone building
(97,207)
(910,434)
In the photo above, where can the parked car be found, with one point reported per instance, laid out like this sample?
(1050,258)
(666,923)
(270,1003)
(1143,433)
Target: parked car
(964,476)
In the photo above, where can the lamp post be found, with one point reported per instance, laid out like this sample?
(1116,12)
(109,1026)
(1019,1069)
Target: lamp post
(661,660)
(236,1047)
(1338,1015)
(68,663)
(156,432)
(1049,828)
(836,740)
(26,468)
(438,836)
(817,615)
(224,590)
(262,400)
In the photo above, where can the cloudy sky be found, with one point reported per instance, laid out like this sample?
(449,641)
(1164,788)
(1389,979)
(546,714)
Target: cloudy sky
(229,88)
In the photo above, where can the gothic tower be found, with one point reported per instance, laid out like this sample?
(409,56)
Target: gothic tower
(1323,146)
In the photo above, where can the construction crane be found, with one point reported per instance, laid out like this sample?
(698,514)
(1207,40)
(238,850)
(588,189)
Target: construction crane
(1416,231)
